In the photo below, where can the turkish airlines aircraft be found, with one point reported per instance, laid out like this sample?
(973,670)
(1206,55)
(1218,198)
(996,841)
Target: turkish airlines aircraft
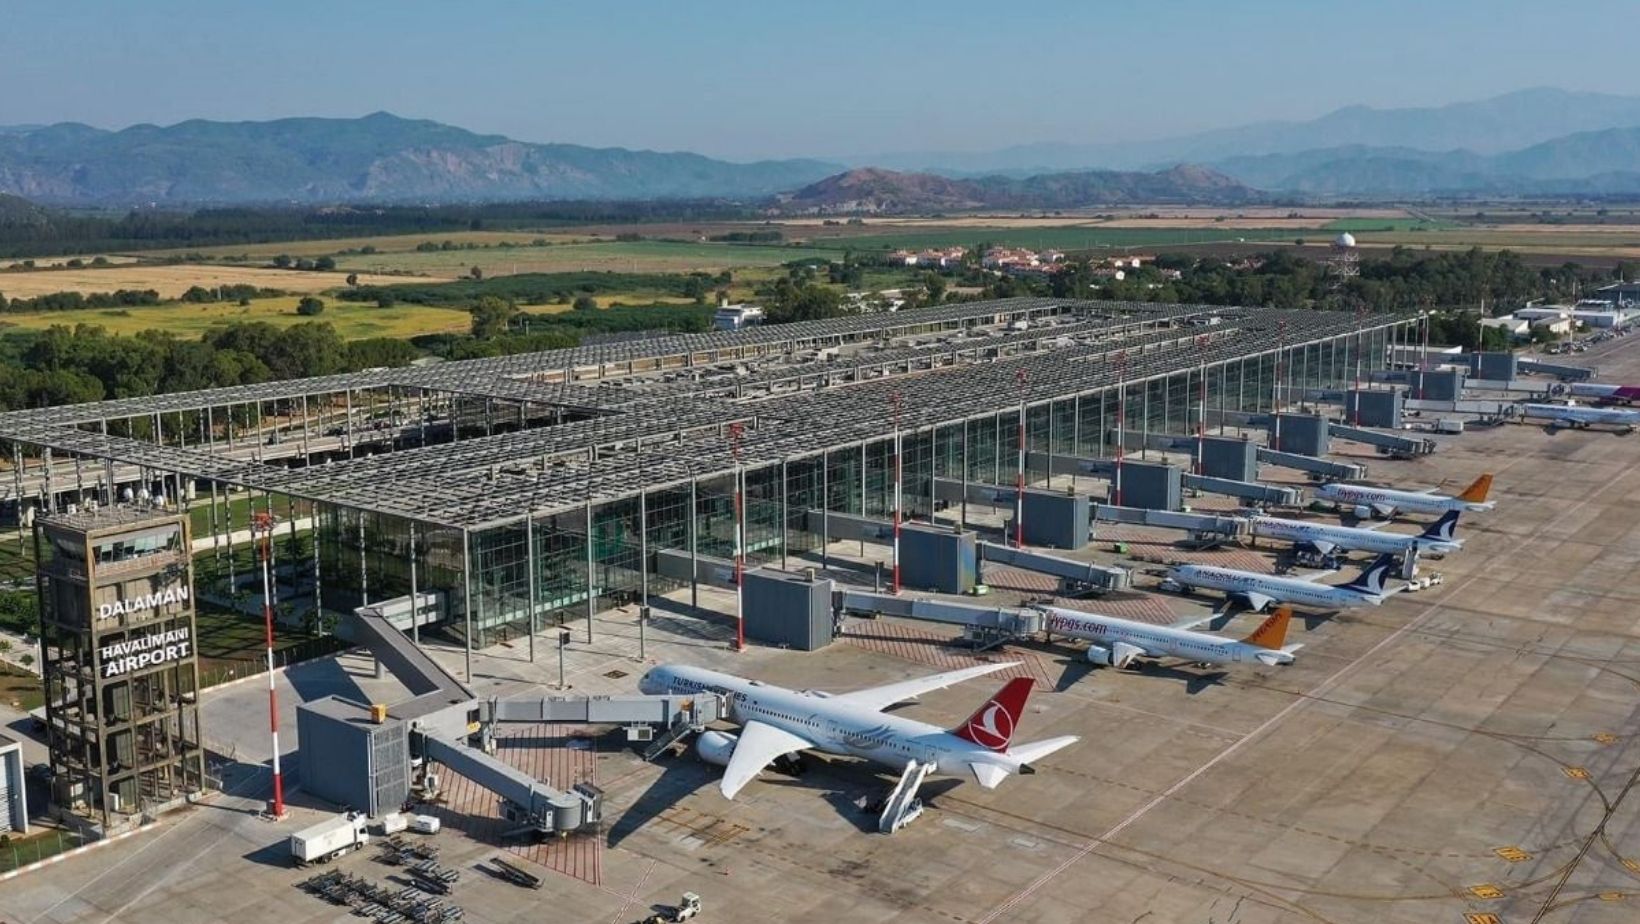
(1385,501)
(1116,642)
(775,722)
(1324,538)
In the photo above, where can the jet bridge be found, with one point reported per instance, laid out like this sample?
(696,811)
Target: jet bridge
(1393,442)
(1074,576)
(984,624)
(1326,468)
(533,804)
(1275,495)
(1199,525)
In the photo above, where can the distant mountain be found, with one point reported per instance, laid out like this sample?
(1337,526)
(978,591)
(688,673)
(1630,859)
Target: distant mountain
(1586,163)
(378,158)
(1490,126)
(873,190)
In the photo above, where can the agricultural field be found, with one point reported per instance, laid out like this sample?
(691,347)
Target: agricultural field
(385,243)
(647,256)
(1092,237)
(168,281)
(352,321)
(49,262)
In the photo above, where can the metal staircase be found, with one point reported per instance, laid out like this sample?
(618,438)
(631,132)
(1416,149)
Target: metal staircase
(903,806)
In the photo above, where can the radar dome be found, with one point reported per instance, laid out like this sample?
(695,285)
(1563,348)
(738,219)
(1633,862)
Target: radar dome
(1344,240)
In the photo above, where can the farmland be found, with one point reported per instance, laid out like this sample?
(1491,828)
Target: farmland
(169,281)
(352,321)
(645,256)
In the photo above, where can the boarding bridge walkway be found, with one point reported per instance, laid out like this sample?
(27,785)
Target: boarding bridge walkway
(1326,468)
(534,804)
(1563,372)
(1073,575)
(1257,492)
(1199,525)
(993,623)
(1392,441)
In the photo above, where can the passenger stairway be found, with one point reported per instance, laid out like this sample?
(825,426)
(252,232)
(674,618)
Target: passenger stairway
(903,806)
(682,726)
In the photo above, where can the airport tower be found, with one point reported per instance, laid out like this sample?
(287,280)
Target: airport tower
(118,654)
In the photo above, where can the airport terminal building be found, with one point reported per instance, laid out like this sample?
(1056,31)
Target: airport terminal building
(510,494)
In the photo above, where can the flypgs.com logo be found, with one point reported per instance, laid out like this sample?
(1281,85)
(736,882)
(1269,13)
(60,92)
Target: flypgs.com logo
(992,728)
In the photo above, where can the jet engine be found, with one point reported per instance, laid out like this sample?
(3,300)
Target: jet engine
(1362,512)
(1119,655)
(715,747)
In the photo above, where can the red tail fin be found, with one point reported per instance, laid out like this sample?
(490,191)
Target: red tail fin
(992,725)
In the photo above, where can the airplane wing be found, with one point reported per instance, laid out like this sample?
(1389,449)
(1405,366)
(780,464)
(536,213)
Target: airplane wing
(882,697)
(1323,546)
(1214,621)
(759,743)
(1313,578)
(1379,525)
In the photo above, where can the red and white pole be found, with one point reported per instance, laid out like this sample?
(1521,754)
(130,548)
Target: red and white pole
(740,541)
(264,525)
(1019,475)
(899,484)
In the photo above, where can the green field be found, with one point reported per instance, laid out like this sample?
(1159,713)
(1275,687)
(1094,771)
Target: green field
(1062,238)
(648,256)
(20,689)
(1356,225)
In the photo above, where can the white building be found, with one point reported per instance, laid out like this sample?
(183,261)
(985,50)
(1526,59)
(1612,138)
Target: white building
(1561,326)
(1517,327)
(1543,313)
(13,799)
(737,317)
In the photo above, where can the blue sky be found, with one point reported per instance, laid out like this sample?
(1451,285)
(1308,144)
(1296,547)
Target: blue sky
(745,80)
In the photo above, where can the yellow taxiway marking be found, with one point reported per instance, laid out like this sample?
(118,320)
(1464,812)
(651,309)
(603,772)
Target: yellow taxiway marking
(1512,854)
(1485,890)
(1481,917)
(1605,738)
(1576,773)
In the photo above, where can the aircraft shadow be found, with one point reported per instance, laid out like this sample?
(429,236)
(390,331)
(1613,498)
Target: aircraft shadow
(681,776)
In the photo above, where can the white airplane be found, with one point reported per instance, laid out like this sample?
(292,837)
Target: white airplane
(1626,393)
(1578,415)
(1368,500)
(1116,642)
(1257,591)
(775,721)
(1324,538)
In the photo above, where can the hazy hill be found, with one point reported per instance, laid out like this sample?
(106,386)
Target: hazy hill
(378,158)
(1489,126)
(876,190)
(1587,163)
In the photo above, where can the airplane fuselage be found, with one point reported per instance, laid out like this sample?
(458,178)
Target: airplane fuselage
(1582,416)
(1157,641)
(1250,585)
(1345,537)
(1391,499)
(833,727)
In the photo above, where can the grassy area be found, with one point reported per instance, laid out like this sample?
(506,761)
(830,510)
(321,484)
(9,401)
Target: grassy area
(619,256)
(43,843)
(168,281)
(20,689)
(233,645)
(352,321)
(1354,225)
(1079,238)
(385,243)
(16,558)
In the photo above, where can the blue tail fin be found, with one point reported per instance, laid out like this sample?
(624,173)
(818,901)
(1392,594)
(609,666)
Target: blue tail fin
(1444,529)
(1372,577)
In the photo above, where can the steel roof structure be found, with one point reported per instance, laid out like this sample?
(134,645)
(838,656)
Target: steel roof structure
(651,414)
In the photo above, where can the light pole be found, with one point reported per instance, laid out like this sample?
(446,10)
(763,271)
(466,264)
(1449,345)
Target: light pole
(894,402)
(1019,475)
(262,525)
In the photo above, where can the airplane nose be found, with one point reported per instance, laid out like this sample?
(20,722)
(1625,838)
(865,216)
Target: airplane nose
(650,684)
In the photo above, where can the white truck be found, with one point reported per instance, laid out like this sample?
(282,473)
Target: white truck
(329,839)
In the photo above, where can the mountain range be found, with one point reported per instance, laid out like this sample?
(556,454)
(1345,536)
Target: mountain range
(377,158)
(1541,141)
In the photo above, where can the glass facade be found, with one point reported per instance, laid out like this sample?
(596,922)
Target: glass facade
(507,580)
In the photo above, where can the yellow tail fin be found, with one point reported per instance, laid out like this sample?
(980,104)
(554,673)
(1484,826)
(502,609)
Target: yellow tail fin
(1476,493)
(1272,633)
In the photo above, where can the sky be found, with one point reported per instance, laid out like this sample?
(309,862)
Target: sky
(780,78)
